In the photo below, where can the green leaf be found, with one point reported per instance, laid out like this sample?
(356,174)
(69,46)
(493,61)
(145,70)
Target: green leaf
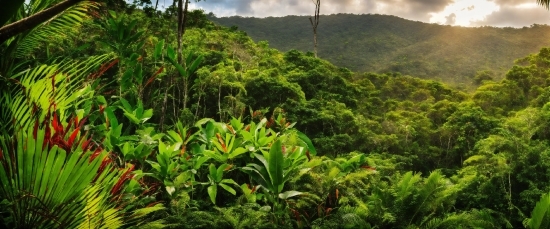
(237,152)
(112,118)
(171,54)
(126,148)
(146,115)
(101,99)
(203,121)
(289,194)
(200,161)
(126,105)
(158,49)
(213,172)
(275,168)
(212,192)
(132,117)
(182,178)
(219,173)
(229,181)
(308,142)
(540,214)
(180,69)
(195,64)
(175,136)
(229,189)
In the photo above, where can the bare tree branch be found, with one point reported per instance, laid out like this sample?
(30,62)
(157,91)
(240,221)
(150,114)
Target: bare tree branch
(315,23)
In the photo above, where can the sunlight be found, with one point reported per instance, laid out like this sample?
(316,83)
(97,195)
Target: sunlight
(466,11)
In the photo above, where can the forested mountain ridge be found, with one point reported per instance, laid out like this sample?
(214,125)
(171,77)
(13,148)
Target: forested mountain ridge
(383,43)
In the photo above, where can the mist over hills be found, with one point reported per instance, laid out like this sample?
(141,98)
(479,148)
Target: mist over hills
(384,43)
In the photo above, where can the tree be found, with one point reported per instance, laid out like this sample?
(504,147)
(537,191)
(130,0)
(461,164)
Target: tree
(315,23)
(182,18)
(544,3)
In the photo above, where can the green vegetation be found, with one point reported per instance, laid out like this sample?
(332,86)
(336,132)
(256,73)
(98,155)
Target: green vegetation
(101,126)
(389,44)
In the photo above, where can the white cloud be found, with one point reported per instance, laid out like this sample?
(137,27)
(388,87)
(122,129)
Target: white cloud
(466,12)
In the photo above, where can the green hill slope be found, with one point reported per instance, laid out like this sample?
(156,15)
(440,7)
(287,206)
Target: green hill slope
(382,43)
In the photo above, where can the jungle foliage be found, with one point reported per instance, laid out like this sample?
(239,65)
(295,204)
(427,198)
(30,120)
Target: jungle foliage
(103,127)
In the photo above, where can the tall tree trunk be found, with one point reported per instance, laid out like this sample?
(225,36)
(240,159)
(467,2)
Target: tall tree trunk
(170,81)
(314,23)
(186,78)
(10,30)
(180,28)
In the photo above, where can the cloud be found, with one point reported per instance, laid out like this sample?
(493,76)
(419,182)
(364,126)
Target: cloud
(459,12)
(412,9)
(515,16)
(512,2)
(451,19)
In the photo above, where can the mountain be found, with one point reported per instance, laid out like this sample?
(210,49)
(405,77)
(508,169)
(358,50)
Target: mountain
(383,43)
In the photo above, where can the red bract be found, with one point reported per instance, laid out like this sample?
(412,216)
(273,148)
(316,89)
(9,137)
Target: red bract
(96,153)
(125,176)
(101,109)
(222,143)
(35,130)
(73,136)
(103,69)
(154,76)
(230,128)
(47,136)
(367,167)
(56,124)
(86,144)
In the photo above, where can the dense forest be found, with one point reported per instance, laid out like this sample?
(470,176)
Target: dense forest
(386,44)
(108,121)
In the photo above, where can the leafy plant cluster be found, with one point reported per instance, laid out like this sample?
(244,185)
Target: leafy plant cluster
(103,126)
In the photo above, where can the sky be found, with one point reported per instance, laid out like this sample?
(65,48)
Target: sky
(500,13)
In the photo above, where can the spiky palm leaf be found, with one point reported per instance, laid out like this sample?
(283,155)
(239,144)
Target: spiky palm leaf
(31,91)
(49,187)
(57,27)
(545,3)
(54,178)
(19,47)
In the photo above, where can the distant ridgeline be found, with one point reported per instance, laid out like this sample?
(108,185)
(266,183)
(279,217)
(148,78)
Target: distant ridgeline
(382,43)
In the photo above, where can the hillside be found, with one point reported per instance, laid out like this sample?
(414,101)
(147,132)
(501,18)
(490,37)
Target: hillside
(382,43)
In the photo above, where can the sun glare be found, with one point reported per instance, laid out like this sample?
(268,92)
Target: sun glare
(465,12)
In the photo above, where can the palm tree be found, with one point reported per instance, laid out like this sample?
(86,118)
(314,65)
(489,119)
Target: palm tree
(545,3)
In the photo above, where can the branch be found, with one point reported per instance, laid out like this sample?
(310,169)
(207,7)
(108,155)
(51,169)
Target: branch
(10,30)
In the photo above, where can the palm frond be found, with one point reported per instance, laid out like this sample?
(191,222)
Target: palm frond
(33,90)
(47,185)
(545,3)
(58,26)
